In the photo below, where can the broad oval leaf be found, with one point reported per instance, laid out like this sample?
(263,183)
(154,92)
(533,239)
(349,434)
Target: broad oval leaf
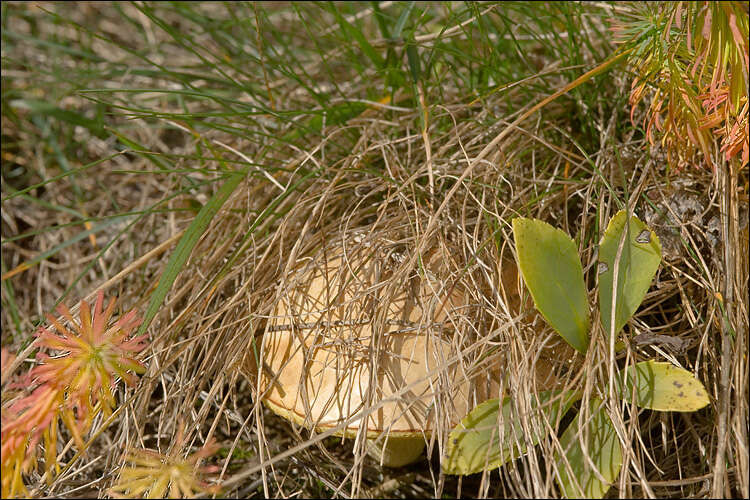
(641,254)
(549,262)
(664,387)
(602,447)
(476,444)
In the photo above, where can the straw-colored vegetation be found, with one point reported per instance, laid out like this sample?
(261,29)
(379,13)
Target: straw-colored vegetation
(190,159)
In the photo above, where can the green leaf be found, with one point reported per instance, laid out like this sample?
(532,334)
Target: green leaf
(602,447)
(641,254)
(402,19)
(476,442)
(664,387)
(552,271)
(414,64)
(186,244)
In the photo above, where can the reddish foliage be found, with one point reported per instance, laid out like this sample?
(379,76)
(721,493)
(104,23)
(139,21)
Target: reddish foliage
(71,387)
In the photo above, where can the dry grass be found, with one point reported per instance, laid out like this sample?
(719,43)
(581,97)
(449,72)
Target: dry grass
(376,176)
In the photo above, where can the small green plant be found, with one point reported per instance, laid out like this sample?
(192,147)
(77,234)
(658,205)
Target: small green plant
(629,255)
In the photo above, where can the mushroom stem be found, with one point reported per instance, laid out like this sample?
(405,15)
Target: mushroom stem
(396,451)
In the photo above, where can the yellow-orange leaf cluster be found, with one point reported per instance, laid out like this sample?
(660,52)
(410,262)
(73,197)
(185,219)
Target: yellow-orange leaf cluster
(73,386)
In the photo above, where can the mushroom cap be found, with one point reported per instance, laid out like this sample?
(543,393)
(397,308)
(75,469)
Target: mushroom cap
(336,346)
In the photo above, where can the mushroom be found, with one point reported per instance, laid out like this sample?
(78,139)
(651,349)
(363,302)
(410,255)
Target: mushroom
(335,348)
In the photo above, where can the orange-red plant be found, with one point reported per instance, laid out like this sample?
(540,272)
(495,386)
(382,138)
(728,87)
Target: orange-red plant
(73,386)
(691,59)
(152,473)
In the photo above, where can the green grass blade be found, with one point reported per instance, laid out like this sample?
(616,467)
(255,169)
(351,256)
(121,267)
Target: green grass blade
(402,19)
(380,18)
(52,251)
(360,38)
(335,115)
(9,301)
(141,150)
(63,175)
(414,63)
(186,244)
(48,109)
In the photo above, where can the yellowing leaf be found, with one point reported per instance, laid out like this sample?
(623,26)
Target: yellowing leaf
(664,387)
(479,443)
(552,270)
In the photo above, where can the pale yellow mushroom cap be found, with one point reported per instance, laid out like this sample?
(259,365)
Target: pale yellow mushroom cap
(324,340)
